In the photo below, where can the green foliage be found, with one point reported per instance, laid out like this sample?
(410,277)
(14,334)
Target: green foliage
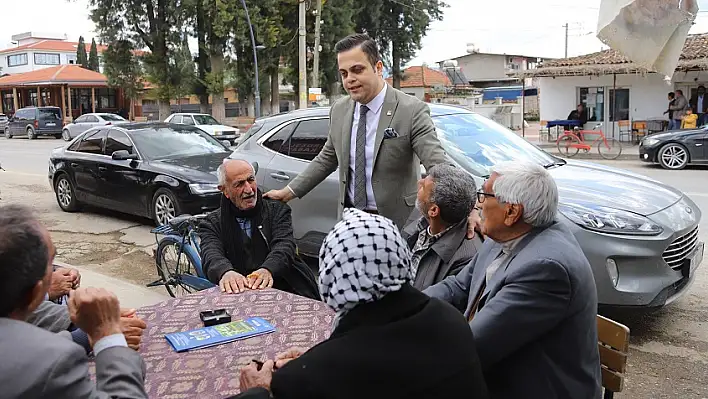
(122,68)
(81,58)
(93,63)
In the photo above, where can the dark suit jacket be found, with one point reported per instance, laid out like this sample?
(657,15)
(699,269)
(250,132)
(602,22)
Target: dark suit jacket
(536,327)
(404,346)
(446,257)
(47,365)
(694,104)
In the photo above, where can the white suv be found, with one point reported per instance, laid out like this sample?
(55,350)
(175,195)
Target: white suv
(208,124)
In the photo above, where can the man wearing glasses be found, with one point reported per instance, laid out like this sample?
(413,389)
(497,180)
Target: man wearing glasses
(529,295)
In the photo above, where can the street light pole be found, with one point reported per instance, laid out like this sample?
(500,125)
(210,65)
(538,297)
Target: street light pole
(257,95)
(302,65)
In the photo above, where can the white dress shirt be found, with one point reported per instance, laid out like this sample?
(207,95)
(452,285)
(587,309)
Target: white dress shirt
(372,124)
(699,105)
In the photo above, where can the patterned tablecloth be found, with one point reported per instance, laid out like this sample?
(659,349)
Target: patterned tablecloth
(214,372)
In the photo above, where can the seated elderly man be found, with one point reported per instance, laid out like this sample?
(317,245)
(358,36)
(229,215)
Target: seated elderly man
(529,294)
(47,365)
(385,331)
(437,239)
(248,242)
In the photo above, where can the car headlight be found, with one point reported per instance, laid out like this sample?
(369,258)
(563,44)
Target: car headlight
(609,220)
(202,188)
(650,141)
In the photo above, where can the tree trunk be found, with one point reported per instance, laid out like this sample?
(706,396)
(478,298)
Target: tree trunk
(274,92)
(202,59)
(251,106)
(218,109)
(334,92)
(131,114)
(396,65)
(164,109)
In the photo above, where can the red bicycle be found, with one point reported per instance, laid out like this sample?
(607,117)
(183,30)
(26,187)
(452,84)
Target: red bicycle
(571,142)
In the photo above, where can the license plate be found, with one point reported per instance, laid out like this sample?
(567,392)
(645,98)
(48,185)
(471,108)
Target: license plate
(51,124)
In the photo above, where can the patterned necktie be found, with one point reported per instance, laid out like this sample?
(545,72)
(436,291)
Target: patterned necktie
(359,200)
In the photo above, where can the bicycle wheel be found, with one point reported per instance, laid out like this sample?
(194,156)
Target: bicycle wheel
(609,148)
(171,270)
(568,145)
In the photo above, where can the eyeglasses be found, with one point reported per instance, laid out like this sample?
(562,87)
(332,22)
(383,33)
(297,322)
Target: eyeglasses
(481,195)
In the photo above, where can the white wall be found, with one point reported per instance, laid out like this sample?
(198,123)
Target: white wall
(418,92)
(30,66)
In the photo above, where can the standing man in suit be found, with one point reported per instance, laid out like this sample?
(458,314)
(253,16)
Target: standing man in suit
(699,103)
(378,137)
(529,294)
(44,364)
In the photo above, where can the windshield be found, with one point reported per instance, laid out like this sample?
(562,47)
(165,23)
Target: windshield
(49,114)
(477,143)
(112,117)
(205,120)
(175,142)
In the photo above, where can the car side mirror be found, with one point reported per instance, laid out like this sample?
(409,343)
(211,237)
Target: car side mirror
(226,143)
(123,155)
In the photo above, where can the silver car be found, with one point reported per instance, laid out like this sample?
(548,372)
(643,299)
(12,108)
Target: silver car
(640,235)
(87,121)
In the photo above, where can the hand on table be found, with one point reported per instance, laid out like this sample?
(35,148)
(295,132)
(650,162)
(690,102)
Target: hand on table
(96,311)
(474,221)
(251,377)
(260,279)
(233,282)
(132,327)
(291,354)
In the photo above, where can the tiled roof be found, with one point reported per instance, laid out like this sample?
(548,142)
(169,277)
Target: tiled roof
(72,74)
(422,76)
(53,45)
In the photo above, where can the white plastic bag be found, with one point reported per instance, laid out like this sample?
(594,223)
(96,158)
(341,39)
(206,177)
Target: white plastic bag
(651,33)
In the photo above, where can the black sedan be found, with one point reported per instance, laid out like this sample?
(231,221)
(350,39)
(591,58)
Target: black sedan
(154,170)
(677,148)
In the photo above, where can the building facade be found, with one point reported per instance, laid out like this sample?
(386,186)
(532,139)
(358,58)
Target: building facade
(33,51)
(492,70)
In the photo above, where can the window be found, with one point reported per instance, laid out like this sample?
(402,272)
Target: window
(187,120)
(594,100)
(106,98)
(309,138)
(46,59)
(112,117)
(276,142)
(117,141)
(81,119)
(71,58)
(16,60)
(205,120)
(619,105)
(49,114)
(176,119)
(91,119)
(92,143)
(33,98)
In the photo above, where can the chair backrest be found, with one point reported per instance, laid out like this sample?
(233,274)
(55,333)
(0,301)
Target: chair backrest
(624,123)
(613,343)
(543,123)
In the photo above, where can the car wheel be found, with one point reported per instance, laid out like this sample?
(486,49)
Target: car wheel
(65,193)
(31,134)
(165,206)
(58,136)
(8,135)
(66,135)
(673,156)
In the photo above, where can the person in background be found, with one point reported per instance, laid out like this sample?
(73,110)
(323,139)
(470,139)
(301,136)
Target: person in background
(38,363)
(578,114)
(679,108)
(248,242)
(689,120)
(699,104)
(437,238)
(529,294)
(389,339)
(670,113)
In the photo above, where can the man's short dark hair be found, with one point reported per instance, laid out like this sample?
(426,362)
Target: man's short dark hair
(679,92)
(24,255)
(367,44)
(672,95)
(454,192)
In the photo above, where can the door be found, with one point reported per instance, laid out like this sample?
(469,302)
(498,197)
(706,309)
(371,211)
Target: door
(49,119)
(696,144)
(20,121)
(618,109)
(318,213)
(84,166)
(122,184)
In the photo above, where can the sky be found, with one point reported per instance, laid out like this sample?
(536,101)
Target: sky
(522,27)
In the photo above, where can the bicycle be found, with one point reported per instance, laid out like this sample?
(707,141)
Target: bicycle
(177,256)
(573,140)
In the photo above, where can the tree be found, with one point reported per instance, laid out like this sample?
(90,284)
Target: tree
(93,63)
(155,24)
(123,70)
(183,71)
(338,16)
(81,58)
(218,20)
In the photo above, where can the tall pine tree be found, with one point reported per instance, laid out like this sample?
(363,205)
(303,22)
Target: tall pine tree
(81,58)
(93,63)
(122,68)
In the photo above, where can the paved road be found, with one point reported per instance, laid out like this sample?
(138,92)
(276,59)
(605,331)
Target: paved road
(669,348)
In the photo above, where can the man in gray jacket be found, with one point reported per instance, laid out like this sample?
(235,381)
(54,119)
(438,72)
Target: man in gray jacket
(529,294)
(41,364)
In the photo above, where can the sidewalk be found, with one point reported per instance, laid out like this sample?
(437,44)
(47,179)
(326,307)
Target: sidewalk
(129,295)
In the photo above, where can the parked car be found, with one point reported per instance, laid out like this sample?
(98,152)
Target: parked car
(35,121)
(208,124)
(3,122)
(154,170)
(87,121)
(640,236)
(676,149)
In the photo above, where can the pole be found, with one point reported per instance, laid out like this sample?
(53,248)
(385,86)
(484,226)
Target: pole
(566,39)
(523,103)
(302,84)
(613,99)
(316,59)
(257,95)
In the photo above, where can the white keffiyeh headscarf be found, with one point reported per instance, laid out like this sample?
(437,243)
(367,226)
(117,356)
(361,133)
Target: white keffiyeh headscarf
(362,259)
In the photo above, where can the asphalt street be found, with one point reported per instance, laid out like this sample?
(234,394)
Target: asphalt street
(669,348)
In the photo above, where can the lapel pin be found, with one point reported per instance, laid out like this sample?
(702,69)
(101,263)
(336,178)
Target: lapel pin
(389,113)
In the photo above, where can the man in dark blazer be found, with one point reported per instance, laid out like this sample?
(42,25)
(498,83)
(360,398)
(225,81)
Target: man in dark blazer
(437,237)
(529,294)
(699,104)
(41,364)
(378,137)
